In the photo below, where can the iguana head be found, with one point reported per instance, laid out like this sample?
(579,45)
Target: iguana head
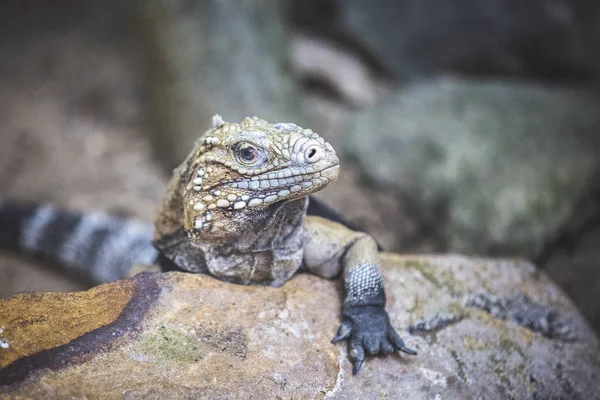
(238,170)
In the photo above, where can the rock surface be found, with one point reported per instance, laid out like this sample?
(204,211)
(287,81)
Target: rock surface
(189,336)
(415,38)
(492,167)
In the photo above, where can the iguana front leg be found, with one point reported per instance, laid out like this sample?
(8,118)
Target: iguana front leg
(333,248)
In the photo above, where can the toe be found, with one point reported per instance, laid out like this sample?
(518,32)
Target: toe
(357,354)
(343,333)
(371,345)
(386,347)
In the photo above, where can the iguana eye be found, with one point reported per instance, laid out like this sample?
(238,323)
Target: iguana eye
(246,153)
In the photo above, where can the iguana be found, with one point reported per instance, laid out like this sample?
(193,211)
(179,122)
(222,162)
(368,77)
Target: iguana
(234,209)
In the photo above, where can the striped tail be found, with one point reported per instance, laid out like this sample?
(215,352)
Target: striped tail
(96,245)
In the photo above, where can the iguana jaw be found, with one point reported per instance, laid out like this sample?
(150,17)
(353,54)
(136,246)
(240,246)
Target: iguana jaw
(284,184)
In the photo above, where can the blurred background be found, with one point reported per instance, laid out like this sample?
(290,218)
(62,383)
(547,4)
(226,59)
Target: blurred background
(464,126)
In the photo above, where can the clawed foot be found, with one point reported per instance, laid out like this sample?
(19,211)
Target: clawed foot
(368,330)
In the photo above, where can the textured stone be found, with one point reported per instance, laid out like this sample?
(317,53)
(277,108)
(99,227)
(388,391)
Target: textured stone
(180,335)
(34,313)
(491,167)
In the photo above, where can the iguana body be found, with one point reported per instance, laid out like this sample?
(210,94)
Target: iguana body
(96,246)
(236,209)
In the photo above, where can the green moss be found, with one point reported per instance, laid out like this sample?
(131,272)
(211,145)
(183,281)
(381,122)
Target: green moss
(450,282)
(460,364)
(172,345)
(497,368)
(425,269)
(510,347)
(455,308)
(483,279)
(438,277)
(473,344)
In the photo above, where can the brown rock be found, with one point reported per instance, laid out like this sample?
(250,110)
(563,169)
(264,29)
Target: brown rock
(482,327)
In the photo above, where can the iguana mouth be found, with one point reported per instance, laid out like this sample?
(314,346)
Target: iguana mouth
(331,173)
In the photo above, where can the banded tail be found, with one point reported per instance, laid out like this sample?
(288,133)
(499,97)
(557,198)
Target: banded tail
(96,245)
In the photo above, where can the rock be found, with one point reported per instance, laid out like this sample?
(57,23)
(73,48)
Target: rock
(342,72)
(573,265)
(178,335)
(491,167)
(415,38)
(216,57)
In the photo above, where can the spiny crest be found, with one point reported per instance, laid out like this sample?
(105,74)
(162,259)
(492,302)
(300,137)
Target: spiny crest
(240,167)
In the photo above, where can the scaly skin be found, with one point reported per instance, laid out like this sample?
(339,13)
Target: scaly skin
(236,209)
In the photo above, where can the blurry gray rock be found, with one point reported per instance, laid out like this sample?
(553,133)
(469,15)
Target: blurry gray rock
(554,39)
(216,56)
(342,72)
(490,167)
(573,263)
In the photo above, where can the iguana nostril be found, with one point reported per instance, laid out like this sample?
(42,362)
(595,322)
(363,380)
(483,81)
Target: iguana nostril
(313,154)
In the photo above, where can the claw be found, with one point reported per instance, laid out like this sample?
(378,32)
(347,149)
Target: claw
(356,367)
(357,354)
(399,343)
(407,351)
(343,333)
